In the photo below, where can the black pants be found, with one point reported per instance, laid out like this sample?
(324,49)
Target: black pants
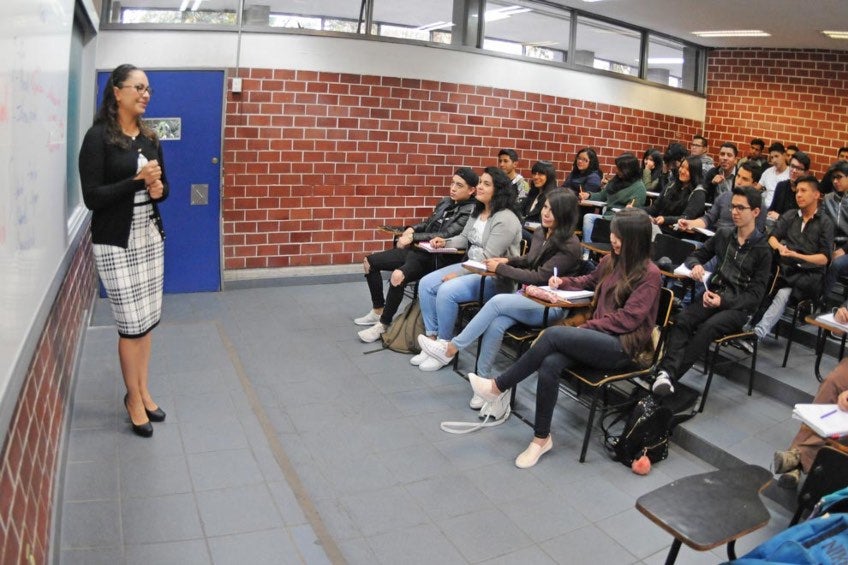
(692,332)
(413,263)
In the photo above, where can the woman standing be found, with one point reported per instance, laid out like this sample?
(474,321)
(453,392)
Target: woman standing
(554,248)
(492,231)
(123,179)
(627,286)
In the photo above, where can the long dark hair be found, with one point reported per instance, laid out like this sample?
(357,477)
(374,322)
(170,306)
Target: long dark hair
(565,209)
(657,158)
(594,164)
(632,226)
(629,171)
(546,168)
(504,195)
(696,173)
(107,114)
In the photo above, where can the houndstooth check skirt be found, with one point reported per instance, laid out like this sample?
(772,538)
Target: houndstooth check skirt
(133,276)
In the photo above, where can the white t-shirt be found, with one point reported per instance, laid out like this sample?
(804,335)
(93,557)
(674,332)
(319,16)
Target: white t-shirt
(769,181)
(475,240)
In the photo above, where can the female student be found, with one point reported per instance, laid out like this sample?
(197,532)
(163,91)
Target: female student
(627,286)
(554,247)
(123,180)
(684,198)
(652,168)
(585,175)
(543,181)
(626,188)
(492,231)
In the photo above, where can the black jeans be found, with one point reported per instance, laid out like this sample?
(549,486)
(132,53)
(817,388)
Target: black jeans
(693,330)
(413,263)
(559,348)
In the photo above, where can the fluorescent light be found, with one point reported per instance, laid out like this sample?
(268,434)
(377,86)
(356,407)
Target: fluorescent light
(836,34)
(665,60)
(434,26)
(184,5)
(733,33)
(504,13)
(196,5)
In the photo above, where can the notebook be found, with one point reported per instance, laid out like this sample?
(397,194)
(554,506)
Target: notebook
(827,420)
(573,296)
(425,245)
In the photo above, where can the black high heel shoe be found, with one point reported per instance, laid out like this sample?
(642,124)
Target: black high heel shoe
(143,430)
(157,415)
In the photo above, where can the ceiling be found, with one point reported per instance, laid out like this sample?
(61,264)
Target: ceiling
(791,23)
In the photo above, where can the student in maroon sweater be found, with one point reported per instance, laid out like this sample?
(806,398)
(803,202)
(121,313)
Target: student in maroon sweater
(627,286)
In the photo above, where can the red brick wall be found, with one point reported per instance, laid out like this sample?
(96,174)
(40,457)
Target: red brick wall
(31,448)
(315,161)
(792,96)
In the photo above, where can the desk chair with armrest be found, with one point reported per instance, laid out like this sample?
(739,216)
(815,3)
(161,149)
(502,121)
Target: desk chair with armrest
(828,473)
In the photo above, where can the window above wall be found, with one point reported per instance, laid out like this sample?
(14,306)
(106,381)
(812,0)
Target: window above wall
(531,29)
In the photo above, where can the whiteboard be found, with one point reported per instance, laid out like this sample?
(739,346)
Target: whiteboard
(34,69)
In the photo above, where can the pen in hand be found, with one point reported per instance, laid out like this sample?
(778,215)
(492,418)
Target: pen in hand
(831,413)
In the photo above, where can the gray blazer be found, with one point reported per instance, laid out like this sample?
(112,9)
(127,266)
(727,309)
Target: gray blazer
(501,236)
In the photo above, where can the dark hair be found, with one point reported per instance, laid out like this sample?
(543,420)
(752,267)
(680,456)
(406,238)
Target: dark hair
(732,147)
(107,114)
(594,165)
(633,227)
(628,168)
(468,175)
(675,152)
(751,194)
(838,167)
(809,179)
(696,172)
(793,148)
(758,142)
(504,195)
(702,138)
(754,168)
(841,150)
(802,158)
(513,156)
(546,168)
(777,146)
(657,158)
(565,208)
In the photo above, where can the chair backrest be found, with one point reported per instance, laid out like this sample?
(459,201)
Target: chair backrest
(672,247)
(601,230)
(828,473)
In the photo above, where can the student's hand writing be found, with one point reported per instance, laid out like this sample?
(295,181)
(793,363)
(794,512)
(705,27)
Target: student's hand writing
(684,225)
(437,242)
(492,264)
(554,282)
(711,299)
(842,400)
(841,315)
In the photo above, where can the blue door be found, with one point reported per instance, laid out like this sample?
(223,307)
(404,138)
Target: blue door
(186,110)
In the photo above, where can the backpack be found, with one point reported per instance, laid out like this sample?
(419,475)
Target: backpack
(817,541)
(647,427)
(402,333)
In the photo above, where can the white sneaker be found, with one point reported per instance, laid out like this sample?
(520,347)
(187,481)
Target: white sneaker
(530,456)
(662,384)
(437,349)
(482,387)
(418,359)
(373,333)
(497,409)
(476,402)
(368,319)
(431,364)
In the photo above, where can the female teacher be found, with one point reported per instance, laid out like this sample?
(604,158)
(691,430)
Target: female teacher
(123,179)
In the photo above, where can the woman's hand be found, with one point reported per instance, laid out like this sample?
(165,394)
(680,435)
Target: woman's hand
(492,264)
(554,282)
(841,315)
(150,172)
(842,400)
(405,239)
(156,189)
(659,220)
(437,242)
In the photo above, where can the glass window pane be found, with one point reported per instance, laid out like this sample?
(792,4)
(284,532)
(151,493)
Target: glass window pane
(606,46)
(525,28)
(671,62)
(220,12)
(424,21)
(319,15)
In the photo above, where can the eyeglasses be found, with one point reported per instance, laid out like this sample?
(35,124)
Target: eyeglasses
(797,168)
(140,88)
(739,208)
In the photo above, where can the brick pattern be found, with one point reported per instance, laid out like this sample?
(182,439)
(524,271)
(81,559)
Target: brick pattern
(31,450)
(315,161)
(793,96)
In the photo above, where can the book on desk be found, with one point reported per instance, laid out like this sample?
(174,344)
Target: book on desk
(827,420)
(830,320)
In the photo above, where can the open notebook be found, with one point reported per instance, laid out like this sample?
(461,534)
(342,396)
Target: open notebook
(825,419)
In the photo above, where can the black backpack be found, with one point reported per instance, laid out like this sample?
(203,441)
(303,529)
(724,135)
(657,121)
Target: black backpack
(647,427)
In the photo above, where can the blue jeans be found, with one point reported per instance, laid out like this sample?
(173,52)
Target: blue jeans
(498,315)
(440,300)
(838,268)
(560,348)
(588,225)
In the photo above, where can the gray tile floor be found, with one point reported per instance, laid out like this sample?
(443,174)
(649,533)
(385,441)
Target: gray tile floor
(285,444)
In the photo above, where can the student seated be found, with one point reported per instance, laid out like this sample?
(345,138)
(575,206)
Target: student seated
(627,286)
(733,292)
(554,246)
(803,449)
(803,239)
(493,231)
(836,207)
(626,188)
(682,199)
(508,163)
(652,169)
(409,264)
(721,178)
(585,175)
(784,192)
(543,181)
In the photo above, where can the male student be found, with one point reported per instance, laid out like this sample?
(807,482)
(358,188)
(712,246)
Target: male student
(699,148)
(720,215)
(836,207)
(756,153)
(784,199)
(778,171)
(410,264)
(507,161)
(733,292)
(803,238)
(721,178)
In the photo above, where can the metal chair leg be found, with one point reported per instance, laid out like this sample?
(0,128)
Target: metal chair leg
(589,426)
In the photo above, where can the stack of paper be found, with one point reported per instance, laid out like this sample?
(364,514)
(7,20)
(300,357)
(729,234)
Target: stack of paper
(425,245)
(827,420)
(830,320)
(476,266)
(573,296)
